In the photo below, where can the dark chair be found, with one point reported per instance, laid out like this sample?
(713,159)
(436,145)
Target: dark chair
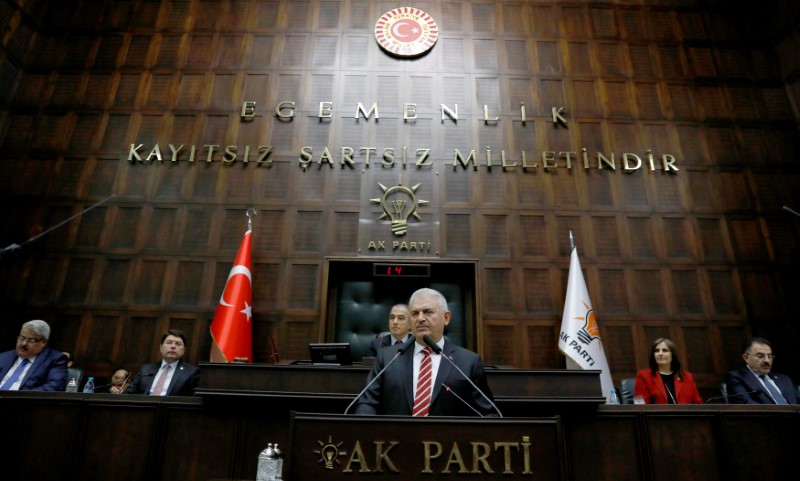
(77,374)
(626,390)
(362,311)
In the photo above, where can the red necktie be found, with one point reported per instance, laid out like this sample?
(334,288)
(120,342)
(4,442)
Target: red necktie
(422,399)
(160,383)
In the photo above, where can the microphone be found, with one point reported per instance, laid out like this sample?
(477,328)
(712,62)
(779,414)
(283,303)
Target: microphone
(789,209)
(405,347)
(729,396)
(438,350)
(126,381)
(447,388)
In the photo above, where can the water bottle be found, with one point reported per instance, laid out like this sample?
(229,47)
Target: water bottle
(613,398)
(88,388)
(72,386)
(268,465)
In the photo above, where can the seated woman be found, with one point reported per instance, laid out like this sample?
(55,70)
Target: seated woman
(665,382)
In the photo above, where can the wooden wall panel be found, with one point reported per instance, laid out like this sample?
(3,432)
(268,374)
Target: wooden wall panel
(687,293)
(497,299)
(708,245)
(540,341)
(726,300)
(502,347)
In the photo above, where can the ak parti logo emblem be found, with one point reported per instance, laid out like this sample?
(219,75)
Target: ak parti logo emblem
(330,452)
(399,203)
(590,331)
(406,32)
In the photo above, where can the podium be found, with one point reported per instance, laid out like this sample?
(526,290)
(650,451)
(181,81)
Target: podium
(218,437)
(333,447)
(329,389)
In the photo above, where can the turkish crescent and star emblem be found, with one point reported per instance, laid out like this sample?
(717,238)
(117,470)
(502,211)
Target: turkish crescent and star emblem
(238,289)
(406,31)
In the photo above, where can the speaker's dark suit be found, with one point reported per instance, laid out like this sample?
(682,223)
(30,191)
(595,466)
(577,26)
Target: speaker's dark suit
(740,381)
(386,340)
(393,392)
(184,380)
(47,373)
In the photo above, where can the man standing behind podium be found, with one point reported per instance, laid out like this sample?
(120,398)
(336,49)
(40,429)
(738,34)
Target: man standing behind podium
(399,329)
(754,383)
(421,383)
(170,377)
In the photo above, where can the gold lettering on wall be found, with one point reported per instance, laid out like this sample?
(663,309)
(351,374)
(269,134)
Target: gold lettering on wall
(352,158)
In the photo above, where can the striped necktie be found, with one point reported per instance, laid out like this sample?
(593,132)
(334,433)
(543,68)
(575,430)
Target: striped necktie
(422,399)
(774,393)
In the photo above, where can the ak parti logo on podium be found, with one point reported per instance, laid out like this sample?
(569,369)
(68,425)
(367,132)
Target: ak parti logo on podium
(406,32)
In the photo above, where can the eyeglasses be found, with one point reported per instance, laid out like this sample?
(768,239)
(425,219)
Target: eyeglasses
(761,356)
(29,340)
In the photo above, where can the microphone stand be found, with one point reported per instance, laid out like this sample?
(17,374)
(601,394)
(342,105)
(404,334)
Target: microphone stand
(405,347)
(438,350)
(447,388)
(111,384)
(124,384)
(729,396)
(789,209)
(14,247)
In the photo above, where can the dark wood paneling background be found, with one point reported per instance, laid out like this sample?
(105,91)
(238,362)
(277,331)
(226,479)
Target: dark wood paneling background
(706,257)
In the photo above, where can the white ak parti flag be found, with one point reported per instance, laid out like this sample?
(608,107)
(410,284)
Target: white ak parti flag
(580,335)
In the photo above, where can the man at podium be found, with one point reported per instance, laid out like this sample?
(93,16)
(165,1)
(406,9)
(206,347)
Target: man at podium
(427,375)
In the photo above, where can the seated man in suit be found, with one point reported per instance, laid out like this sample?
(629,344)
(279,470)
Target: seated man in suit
(399,329)
(754,383)
(421,383)
(33,366)
(119,381)
(170,377)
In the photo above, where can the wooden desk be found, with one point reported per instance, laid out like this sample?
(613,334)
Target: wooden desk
(509,386)
(72,437)
(523,392)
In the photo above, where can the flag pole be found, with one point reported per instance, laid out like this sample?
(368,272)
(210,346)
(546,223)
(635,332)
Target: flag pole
(571,241)
(250,213)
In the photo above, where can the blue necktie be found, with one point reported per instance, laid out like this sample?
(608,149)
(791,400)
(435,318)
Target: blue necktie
(773,391)
(15,375)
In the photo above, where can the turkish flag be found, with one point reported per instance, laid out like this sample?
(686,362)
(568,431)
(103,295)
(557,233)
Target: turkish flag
(232,327)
